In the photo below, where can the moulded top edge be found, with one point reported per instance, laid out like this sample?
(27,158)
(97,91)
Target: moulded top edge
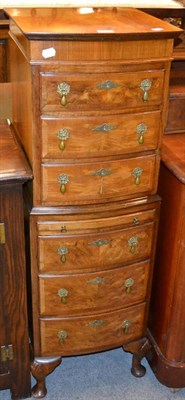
(87,23)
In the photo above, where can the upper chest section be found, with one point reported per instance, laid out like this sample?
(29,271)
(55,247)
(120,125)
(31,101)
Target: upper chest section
(87,34)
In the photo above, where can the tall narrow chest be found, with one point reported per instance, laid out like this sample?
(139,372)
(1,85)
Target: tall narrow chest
(90,98)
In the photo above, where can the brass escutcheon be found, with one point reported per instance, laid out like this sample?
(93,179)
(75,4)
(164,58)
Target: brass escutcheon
(96,323)
(99,242)
(96,281)
(104,128)
(108,85)
(102,172)
(6,353)
(63,89)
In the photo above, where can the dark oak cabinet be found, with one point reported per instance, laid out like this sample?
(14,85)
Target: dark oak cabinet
(14,340)
(167,317)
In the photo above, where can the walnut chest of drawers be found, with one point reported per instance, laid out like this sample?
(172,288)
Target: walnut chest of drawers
(90,89)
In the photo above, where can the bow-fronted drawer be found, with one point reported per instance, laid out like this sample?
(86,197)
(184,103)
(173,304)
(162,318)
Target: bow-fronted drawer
(68,92)
(99,182)
(97,251)
(105,290)
(70,336)
(82,137)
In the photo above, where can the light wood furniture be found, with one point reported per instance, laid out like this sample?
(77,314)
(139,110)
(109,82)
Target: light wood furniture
(93,87)
(14,340)
(167,320)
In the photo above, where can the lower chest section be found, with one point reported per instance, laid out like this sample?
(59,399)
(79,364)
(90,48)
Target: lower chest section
(91,279)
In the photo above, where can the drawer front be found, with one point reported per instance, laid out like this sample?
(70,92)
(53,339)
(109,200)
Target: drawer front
(65,92)
(86,334)
(93,292)
(88,182)
(62,225)
(95,251)
(82,137)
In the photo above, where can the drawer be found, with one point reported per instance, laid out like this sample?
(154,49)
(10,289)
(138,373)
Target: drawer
(86,334)
(83,137)
(100,92)
(63,225)
(79,294)
(97,251)
(89,182)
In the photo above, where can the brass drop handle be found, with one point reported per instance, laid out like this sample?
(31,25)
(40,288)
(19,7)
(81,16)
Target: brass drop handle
(63,229)
(141,130)
(129,282)
(63,294)
(137,172)
(62,335)
(63,179)
(62,135)
(133,241)
(62,251)
(63,89)
(126,326)
(145,86)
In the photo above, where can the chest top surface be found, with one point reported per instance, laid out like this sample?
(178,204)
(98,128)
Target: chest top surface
(89,23)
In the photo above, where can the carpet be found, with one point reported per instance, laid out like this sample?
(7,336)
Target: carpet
(103,376)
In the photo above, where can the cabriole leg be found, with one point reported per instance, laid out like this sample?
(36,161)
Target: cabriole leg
(139,350)
(40,368)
